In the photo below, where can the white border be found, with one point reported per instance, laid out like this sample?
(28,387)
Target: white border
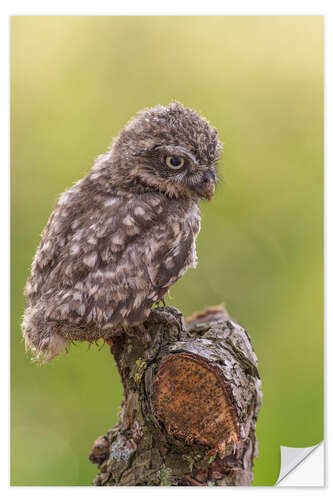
(170,7)
(142,7)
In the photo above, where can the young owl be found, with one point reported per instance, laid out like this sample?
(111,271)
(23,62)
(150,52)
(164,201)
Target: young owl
(118,239)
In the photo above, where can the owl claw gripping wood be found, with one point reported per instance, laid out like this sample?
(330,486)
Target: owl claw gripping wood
(122,236)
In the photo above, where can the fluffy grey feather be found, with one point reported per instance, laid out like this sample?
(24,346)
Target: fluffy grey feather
(120,237)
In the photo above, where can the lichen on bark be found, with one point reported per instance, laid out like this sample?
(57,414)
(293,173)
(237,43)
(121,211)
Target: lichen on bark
(191,400)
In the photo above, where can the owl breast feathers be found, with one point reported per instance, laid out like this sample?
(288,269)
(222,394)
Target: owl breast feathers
(118,240)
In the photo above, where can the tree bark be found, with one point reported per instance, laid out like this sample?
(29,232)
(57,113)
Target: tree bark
(191,401)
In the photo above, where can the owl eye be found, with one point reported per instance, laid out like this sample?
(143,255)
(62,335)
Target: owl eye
(174,162)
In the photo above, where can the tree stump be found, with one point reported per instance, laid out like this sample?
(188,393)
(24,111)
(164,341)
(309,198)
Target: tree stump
(191,401)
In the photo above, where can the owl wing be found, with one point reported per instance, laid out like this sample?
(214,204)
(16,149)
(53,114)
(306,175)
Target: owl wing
(155,262)
(107,265)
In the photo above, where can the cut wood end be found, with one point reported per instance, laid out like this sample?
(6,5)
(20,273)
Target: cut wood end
(208,314)
(190,400)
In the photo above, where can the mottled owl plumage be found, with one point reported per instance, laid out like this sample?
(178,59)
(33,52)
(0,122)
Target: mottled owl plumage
(119,238)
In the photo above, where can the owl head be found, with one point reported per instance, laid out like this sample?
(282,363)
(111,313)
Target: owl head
(167,148)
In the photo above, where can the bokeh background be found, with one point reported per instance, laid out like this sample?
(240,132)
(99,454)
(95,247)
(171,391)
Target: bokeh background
(75,81)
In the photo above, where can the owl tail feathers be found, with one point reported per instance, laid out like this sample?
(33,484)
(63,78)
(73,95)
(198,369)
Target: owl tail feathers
(42,342)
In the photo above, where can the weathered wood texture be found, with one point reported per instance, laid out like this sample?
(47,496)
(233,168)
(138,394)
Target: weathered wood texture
(191,401)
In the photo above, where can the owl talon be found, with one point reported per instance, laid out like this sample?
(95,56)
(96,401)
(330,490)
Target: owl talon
(159,315)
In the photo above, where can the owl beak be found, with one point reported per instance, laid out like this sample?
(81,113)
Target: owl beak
(210,190)
(206,188)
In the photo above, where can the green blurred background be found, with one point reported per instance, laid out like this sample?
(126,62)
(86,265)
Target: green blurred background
(75,82)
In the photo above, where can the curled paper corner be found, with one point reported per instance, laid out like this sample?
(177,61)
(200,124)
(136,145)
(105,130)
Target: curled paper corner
(299,469)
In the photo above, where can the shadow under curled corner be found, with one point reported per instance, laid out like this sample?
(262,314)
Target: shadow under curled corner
(302,466)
